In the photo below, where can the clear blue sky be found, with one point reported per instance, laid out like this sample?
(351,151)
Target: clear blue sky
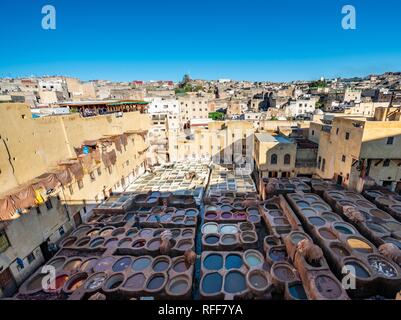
(257,40)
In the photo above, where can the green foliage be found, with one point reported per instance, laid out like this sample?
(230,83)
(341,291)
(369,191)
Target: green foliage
(216,115)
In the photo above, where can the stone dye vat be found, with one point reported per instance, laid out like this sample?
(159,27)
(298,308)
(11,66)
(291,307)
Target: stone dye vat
(344,246)
(274,186)
(168,217)
(373,223)
(231,275)
(220,237)
(318,281)
(231,210)
(134,241)
(279,218)
(386,200)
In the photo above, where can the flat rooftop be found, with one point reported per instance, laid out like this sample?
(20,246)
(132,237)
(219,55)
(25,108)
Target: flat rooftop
(267,137)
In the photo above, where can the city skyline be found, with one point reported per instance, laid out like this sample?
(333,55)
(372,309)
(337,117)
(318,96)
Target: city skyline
(134,40)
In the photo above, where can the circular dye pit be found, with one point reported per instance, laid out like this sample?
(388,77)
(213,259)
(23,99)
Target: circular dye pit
(213,262)
(135,282)
(105,232)
(187,233)
(184,244)
(317,221)
(328,287)
(257,279)
(104,264)
(297,291)
(161,265)
(225,208)
(330,217)
(379,214)
(226,215)
(111,243)
(229,229)
(253,211)
(211,215)
(246,226)
(248,236)
(180,266)
(210,228)
(59,283)
(320,207)
(125,243)
(114,281)
(137,244)
(146,233)
(57,262)
(234,282)
(393,226)
(275,213)
(277,254)
(87,265)
(83,242)
(344,228)
(297,237)
(95,281)
(212,283)
(72,265)
(212,239)
(178,285)
(357,269)
(382,267)
(154,244)
(156,282)
(376,228)
(253,259)
(141,263)
(359,245)
(253,218)
(308,212)
(122,264)
(228,239)
(68,242)
(117,232)
(81,231)
(303,204)
(283,272)
(93,232)
(76,282)
(233,261)
(327,234)
(97,242)
(191,212)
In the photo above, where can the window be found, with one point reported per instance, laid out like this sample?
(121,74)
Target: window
(71,189)
(337,131)
(38,210)
(319,162)
(313,132)
(92,175)
(390,140)
(347,136)
(386,163)
(61,231)
(99,171)
(49,204)
(287,159)
(323,164)
(273,159)
(343,158)
(4,243)
(31,258)
(80,184)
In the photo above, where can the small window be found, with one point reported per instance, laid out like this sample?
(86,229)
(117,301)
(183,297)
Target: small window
(31,258)
(337,131)
(38,210)
(390,140)
(4,243)
(287,159)
(80,184)
(313,132)
(273,159)
(49,204)
(386,163)
(99,171)
(319,162)
(347,136)
(343,158)
(92,175)
(61,231)
(71,189)
(323,165)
